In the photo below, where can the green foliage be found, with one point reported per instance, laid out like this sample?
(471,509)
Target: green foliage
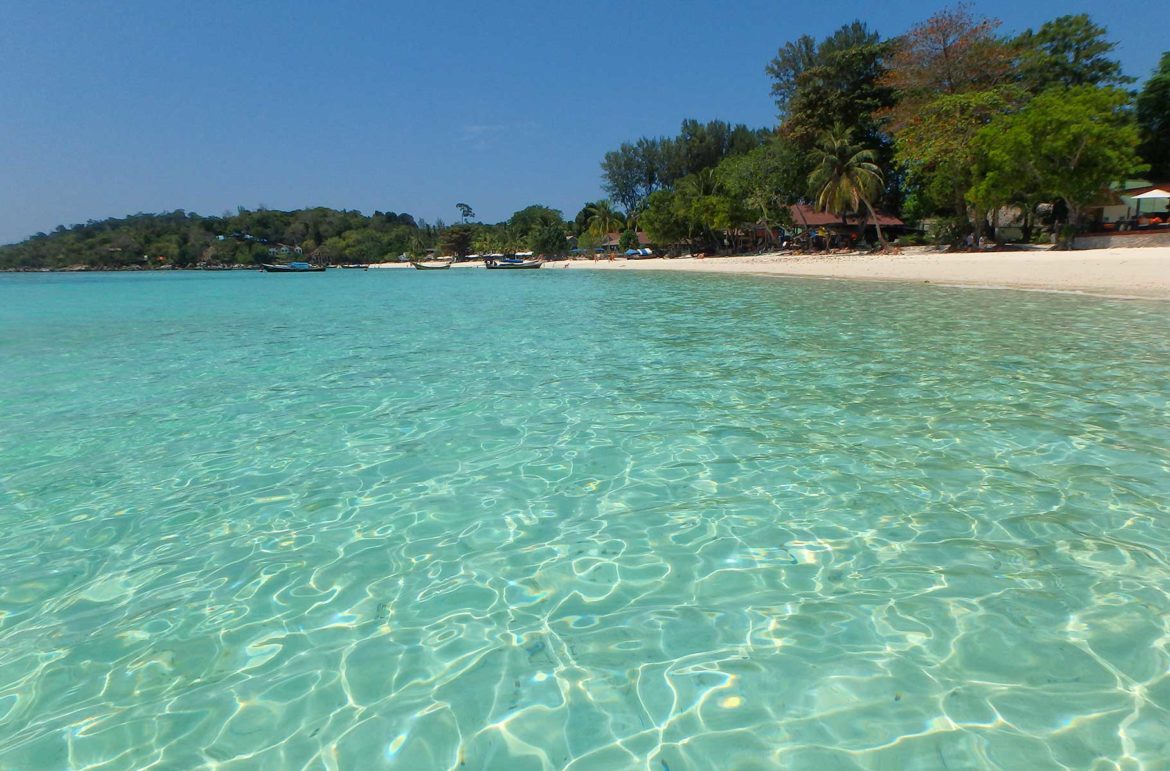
(766,179)
(694,212)
(532,218)
(185,240)
(456,240)
(628,239)
(1066,52)
(601,218)
(936,147)
(1066,143)
(635,170)
(1153,116)
(838,82)
(661,220)
(548,240)
(845,178)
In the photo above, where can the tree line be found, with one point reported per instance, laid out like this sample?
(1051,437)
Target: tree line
(948,122)
(183,239)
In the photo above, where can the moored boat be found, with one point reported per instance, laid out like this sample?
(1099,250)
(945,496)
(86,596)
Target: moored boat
(512,265)
(420,266)
(292,267)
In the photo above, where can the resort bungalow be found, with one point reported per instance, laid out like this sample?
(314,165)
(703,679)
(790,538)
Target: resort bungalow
(811,223)
(1139,205)
(612,242)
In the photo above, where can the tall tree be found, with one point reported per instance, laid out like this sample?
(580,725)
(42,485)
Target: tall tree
(1066,143)
(952,52)
(603,218)
(634,171)
(465,211)
(534,217)
(456,240)
(661,219)
(1066,52)
(1153,115)
(766,179)
(937,150)
(845,178)
(547,239)
(840,81)
(951,74)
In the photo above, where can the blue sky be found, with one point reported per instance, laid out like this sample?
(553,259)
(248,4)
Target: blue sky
(112,108)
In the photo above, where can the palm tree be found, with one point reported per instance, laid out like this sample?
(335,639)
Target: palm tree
(845,177)
(602,218)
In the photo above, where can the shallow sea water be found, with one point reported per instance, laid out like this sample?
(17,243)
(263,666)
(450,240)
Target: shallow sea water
(552,519)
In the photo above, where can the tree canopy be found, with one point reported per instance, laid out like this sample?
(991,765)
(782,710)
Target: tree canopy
(1153,116)
(1066,143)
(183,239)
(1066,52)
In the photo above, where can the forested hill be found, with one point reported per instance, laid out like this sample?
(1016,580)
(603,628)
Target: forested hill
(183,239)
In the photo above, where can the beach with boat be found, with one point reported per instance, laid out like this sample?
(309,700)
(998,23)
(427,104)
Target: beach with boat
(374,400)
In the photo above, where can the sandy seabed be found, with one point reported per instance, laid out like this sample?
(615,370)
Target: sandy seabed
(1136,272)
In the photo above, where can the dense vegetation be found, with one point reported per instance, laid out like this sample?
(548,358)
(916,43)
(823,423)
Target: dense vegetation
(948,122)
(183,239)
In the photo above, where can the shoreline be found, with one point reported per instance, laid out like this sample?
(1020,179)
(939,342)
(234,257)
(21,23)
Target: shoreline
(1137,273)
(1129,273)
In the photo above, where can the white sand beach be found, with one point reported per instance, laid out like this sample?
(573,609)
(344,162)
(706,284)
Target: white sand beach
(1139,272)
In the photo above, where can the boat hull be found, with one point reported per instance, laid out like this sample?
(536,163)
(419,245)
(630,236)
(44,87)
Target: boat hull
(514,266)
(269,268)
(420,266)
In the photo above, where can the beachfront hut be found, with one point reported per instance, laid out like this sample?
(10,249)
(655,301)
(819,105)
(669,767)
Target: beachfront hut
(810,221)
(612,241)
(1154,194)
(1135,205)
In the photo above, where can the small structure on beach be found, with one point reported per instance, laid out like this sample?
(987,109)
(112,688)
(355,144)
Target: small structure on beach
(612,242)
(809,220)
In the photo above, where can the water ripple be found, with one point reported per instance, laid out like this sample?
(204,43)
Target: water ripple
(580,521)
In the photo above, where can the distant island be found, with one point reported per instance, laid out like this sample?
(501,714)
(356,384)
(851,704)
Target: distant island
(949,134)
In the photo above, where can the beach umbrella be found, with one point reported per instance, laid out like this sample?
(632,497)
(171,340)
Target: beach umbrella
(1150,195)
(1155,193)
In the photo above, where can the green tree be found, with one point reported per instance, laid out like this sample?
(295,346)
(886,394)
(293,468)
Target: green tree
(1066,52)
(456,240)
(547,239)
(936,147)
(661,219)
(535,217)
(1066,143)
(603,218)
(1153,116)
(845,178)
(839,81)
(465,211)
(634,171)
(766,179)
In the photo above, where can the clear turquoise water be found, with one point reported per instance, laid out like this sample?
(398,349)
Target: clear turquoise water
(565,519)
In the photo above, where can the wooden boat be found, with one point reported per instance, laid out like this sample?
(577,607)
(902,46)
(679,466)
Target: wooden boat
(512,265)
(292,267)
(420,266)
(355,266)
